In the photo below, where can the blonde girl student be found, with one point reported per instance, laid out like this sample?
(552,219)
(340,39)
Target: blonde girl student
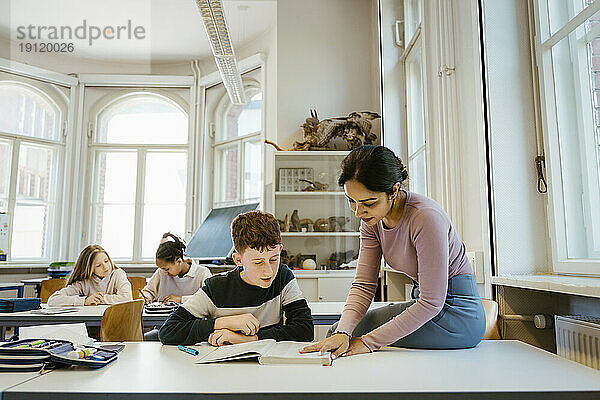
(176,278)
(94,280)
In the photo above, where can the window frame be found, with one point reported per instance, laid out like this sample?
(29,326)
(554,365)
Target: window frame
(557,216)
(58,100)
(141,150)
(251,88)
(414,46)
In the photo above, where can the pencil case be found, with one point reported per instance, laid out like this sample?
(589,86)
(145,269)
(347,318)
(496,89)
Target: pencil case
(19,304)
(159,308)
(30,355)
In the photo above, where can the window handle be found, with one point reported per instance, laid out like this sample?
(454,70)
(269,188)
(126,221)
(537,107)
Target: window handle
(542,187)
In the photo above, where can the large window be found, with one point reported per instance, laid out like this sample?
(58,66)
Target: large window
(140,157)
(238,152)
(415,128)
(31,146)
(568,43)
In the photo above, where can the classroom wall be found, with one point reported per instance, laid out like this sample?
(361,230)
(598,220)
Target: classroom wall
(326,59)
(67,64)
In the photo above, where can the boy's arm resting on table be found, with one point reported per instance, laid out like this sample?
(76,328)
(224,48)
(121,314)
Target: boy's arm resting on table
(71,295)
(191,322)
(123,288)
(298,324)
(183,327)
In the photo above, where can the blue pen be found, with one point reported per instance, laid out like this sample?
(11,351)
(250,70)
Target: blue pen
(193,352)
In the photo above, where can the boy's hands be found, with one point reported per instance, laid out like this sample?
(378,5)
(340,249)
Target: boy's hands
(221,337)
(94,299)
(172,297)
(248,324)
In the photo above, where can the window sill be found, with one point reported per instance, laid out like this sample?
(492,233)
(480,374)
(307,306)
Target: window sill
(575,285)
(36,268)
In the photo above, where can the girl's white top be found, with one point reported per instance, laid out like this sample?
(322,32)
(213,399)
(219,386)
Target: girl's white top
(162,284)
(115,287)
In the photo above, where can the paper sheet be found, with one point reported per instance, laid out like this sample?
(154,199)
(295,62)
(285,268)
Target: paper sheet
(76,333)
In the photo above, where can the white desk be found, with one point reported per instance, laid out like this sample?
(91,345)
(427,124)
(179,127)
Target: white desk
(10,379)
(323,313)
(493,370)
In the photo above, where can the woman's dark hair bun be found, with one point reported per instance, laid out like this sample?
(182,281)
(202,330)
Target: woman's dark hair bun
(376,167)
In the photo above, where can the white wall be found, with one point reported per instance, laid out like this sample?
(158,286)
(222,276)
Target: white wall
(325,60)
(520,218)
(67,64)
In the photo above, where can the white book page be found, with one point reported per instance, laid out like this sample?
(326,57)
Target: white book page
(291,350)
(55,310)
(234,351)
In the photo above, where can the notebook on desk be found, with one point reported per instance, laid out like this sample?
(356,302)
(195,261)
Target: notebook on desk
(55,310)
(267,351)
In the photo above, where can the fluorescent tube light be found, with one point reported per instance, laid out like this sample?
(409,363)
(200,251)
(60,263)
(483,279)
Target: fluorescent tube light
(213,17)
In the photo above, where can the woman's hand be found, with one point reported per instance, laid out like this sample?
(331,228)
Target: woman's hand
(338,344)
(94,299)
(357,346)
(221,337)
(172,297)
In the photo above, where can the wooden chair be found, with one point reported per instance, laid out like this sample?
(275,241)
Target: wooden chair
(137,282)
(122,322)
(50,286)
(491,320)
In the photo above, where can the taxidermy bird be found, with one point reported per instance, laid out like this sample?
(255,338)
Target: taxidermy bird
(355,130)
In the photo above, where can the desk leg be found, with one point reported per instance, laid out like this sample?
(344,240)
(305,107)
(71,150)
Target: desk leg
(3,333)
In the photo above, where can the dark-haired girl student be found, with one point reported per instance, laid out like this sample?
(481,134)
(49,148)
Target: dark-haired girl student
(176,278)
(416,237)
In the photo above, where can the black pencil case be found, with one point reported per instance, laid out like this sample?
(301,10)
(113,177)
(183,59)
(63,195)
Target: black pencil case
(19,304)
(14,357)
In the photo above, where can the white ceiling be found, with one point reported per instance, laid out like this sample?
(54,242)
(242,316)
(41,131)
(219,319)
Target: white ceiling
(173,28)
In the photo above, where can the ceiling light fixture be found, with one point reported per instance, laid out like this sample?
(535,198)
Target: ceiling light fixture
(213,16)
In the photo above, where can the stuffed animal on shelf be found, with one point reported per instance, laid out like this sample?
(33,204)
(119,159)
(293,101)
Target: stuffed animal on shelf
(355,130)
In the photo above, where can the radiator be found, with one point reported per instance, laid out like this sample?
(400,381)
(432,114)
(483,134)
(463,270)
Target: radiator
(578,339)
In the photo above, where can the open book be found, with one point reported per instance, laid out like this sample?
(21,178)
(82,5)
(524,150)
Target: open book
(55,310)
(268,351)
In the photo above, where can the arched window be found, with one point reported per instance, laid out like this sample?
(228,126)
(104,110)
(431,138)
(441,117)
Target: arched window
(143,119)
(242,120)
(238,155)
(31,136)
(140,153)
(28,111)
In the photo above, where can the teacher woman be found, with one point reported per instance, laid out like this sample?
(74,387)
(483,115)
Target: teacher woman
(416,237)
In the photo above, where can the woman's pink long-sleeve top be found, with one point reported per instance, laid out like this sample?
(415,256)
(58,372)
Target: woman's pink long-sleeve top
(424,246)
